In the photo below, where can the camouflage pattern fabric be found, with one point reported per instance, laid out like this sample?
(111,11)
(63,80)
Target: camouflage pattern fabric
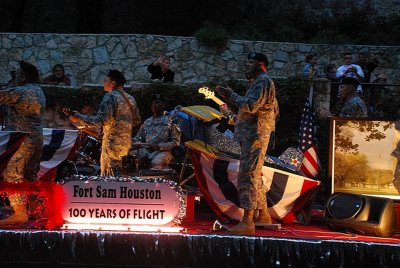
(396,153)
(161,131)
(354,107)
(255,121)
(25,109)
(396,176)
(117,121)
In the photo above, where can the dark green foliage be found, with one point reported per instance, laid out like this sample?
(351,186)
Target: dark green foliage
(286,21)
(291,94)
(212,35)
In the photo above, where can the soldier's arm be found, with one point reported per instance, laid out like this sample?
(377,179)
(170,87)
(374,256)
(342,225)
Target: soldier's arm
(255,97)
(104,114)
(174,140)
(136,119)
(140,137)
(10,96)
(231,116)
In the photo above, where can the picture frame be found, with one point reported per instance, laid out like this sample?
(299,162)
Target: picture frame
(363,156)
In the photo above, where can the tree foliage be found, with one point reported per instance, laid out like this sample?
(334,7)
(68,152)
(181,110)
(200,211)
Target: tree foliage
(350,168)
(286,21)
(344,133)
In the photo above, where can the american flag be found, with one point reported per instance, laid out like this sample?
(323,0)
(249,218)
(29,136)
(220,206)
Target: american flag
(58,145)
(307,142)
(216,176)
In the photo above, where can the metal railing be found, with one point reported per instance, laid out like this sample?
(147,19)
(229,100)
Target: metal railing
(382,99)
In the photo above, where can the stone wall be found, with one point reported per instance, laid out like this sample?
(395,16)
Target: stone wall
(87,58)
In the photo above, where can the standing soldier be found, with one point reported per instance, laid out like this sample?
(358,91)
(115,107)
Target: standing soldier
(25,108)
(118,115)
(254,123)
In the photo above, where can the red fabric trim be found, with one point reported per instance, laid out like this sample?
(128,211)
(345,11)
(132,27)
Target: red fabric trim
(51,192)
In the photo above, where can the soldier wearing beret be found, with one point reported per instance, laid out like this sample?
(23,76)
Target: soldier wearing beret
(254,123)
(25,108)
(352,105)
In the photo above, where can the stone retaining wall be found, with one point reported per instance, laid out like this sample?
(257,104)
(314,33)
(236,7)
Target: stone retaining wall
(87,58)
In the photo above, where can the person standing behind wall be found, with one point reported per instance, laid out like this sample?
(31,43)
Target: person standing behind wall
(368,64)
(160,71)
(310,68)
(349,69)
(58,77)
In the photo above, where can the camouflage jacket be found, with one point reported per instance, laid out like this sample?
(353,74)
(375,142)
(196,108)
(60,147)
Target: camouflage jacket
(257,109)
(117,121)
(159,130)
(354,107)
(25,108)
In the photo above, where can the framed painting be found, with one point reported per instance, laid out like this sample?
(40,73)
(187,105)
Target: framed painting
(364,157)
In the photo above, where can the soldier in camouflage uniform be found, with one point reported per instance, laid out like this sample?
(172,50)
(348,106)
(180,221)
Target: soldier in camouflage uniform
(25,108)
(353,105)
(118,115)
(160,133)
(254,123)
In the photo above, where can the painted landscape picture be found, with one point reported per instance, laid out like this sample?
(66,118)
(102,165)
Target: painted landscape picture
(363,156)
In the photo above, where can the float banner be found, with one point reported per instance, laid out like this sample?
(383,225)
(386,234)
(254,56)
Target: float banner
(134,203)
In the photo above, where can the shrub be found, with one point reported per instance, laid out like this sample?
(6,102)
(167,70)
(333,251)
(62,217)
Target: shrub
(212,35)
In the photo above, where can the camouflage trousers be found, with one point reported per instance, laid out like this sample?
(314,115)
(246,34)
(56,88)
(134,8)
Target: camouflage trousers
(25,163)
(109,166)
(158,159)
(252,194)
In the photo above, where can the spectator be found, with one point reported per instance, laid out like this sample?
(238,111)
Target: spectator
(368,64)
(375,96)
(160,135)
(349,69)
(330,72)
(58,77)
(310,68)
(160,70)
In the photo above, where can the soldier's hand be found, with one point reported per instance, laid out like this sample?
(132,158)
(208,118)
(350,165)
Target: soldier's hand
(74,118)
(154,147)
(225,92)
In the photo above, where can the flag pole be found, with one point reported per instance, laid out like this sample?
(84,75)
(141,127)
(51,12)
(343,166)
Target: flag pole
(311,92)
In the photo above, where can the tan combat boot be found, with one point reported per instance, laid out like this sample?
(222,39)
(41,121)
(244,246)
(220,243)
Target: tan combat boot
(20,216)
(246,225)
(263,217)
